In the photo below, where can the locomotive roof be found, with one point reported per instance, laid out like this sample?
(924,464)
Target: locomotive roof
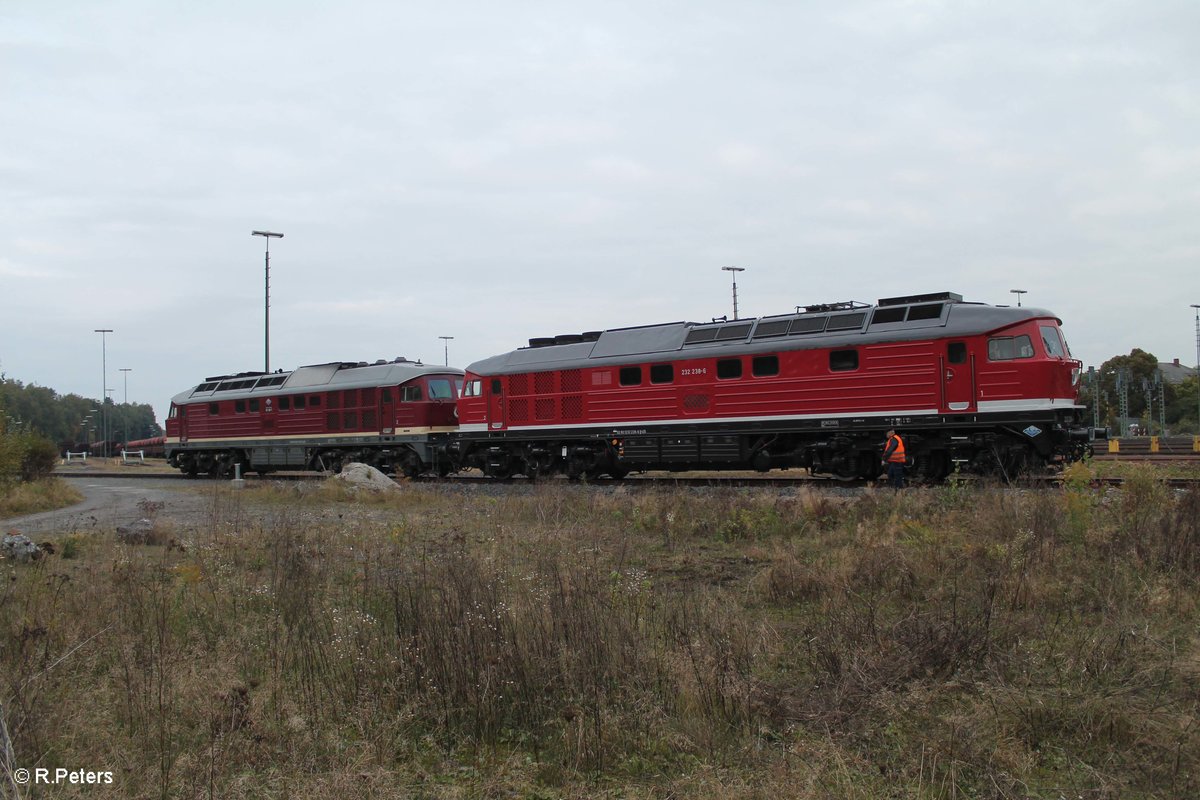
(335,375)
(821,326)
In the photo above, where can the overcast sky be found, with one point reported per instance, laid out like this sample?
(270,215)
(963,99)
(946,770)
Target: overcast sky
(495,171)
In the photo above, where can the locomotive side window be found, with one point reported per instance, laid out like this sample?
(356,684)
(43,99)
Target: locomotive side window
(254,404)
(925,312)
(631,376)
(1054,345)
(1007,348)
(956,352)
(410,394)
(891,314)
(496,387)
(803,325)
(285,403)
(764,366)
(313,400)
(729,368)
(843,360)
(239,406)
(386,394)
(214,409)
(473,389)
(732,332)
(299,402)
(846,322)
(662,373)
(778,327)
(439,389)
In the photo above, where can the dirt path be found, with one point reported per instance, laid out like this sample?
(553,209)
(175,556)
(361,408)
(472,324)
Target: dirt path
(109,502)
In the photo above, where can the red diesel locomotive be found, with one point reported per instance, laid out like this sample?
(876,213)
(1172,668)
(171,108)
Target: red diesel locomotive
(986,388)
(395,415)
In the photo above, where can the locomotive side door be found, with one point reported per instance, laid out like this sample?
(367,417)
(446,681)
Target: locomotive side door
(958,378)
(387,409)
(495,415)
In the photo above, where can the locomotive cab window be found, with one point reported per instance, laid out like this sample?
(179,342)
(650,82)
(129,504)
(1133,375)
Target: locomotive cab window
(662,373)
(764,366)
(956,352)
(729,368)
(843,360)
(410,394)
(631,376)
(1052,342)
(439,389)
(1007,348)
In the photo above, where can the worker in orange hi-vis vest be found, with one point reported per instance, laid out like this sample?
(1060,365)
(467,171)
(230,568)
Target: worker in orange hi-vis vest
(894,458)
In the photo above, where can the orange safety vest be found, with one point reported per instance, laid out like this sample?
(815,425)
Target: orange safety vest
(897,455)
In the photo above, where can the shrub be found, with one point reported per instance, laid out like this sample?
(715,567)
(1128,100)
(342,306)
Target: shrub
(39,458)
(26,457)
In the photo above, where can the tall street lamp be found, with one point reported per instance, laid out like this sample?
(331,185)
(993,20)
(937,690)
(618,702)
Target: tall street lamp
(125,411)
(104,388)
(268,235)
(735,271)
(446,347)
(1018,293)
(1197,307)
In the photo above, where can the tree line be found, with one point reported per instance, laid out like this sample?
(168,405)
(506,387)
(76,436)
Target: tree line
(60,418)
(1151,399)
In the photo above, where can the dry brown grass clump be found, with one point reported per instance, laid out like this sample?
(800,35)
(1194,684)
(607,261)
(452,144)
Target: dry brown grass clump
(31,497)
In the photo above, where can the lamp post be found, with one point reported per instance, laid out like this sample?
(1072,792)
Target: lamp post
(1018,293)
(104,388)
(268,235)
(125,411)
(446,347)
(735,271)
(1197,307)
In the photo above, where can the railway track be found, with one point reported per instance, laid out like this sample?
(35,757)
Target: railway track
(715,481)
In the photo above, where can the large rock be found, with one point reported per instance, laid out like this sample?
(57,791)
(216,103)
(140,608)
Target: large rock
(364,476)
(19,548)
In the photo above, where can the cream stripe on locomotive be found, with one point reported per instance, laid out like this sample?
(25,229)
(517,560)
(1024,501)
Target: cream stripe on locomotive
(984,406)
(344,435)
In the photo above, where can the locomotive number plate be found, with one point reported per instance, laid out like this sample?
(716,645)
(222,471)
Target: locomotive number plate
(694,371)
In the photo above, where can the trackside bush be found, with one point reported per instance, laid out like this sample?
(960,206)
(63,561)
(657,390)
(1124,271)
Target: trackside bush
(26,457)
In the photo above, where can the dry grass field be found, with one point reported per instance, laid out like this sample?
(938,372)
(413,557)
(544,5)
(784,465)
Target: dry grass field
(567,641)
(17,499)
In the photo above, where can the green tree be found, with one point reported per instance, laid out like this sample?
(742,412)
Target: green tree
(57,417)
(1181,409)
(1140,369)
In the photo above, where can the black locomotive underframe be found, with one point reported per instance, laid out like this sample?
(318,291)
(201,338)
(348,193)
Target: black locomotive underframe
(411,454)
(1004,443)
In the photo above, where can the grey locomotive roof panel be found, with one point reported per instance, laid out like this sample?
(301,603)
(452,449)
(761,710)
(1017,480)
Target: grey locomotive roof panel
(804,331)
(317,377)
